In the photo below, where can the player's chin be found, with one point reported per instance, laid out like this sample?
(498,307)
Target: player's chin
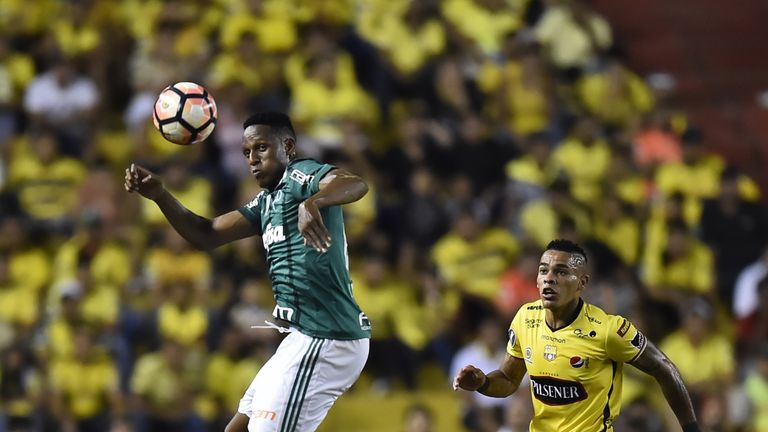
(549,303)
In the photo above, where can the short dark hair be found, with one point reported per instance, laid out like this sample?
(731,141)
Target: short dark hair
(564,245)
(279,122)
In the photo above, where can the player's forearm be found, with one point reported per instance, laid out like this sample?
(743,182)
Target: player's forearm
(343,189)
(196,229)
(676,394)
(498,385)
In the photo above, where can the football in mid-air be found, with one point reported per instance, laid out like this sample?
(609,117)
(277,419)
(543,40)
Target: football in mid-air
(185,113)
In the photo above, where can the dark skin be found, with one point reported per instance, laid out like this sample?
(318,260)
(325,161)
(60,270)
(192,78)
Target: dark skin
(561,279)
(267,154)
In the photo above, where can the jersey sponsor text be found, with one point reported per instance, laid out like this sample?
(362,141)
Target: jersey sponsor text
(272,235)
(553,391)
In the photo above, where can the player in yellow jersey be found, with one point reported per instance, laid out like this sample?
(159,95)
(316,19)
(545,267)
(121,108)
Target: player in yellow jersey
(574,353)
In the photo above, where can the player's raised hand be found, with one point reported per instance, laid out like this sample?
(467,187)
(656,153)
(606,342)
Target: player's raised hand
(312,228)
(141,180)
(469,378)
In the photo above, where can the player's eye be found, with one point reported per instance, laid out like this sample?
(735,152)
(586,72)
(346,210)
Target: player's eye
(246,153)
(542,271)
(263,148)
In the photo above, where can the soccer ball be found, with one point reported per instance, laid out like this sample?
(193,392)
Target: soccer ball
(185,113)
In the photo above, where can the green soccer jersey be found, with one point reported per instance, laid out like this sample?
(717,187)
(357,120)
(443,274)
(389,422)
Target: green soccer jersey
(312,289)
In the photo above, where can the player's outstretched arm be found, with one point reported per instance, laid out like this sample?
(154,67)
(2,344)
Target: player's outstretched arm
(499,383)
(201,232)
(336,188)
(653,362)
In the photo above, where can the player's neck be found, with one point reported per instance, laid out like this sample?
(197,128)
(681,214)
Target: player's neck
(272,184)
(561,317)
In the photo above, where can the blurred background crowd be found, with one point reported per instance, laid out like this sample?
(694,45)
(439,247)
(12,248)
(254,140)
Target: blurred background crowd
(485,128)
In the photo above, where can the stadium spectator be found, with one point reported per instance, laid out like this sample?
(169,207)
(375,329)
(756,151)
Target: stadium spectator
(165,385)
(21,389)
(472,256)
(485,351)
(46,180)
(583,157)
(705,360)
(747,294)
(85,394)
(735,229)
(63,99)
(572,36)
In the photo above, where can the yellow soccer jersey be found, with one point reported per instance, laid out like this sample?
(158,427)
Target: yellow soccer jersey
(576,371)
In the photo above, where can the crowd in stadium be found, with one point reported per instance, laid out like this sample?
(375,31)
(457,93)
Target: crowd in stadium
(484,128)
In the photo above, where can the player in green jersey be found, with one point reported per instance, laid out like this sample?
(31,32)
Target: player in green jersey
(299,218)
(573,353)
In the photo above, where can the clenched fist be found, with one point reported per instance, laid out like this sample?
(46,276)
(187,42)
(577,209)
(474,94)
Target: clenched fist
(469,378)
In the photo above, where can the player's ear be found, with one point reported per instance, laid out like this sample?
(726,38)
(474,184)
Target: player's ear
(289,145)
(584,280)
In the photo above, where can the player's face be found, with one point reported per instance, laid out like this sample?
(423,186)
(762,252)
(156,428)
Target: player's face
(561,278)
(266,155)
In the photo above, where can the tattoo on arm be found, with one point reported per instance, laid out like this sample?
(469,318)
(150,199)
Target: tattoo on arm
(653,362)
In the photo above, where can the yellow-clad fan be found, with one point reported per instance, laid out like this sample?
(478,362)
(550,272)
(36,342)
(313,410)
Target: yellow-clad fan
(472,257)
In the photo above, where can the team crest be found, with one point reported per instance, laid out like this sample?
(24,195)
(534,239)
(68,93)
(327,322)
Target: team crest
(550,352)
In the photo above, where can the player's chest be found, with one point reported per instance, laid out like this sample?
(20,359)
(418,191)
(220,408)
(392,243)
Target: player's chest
(571,354)
(279,218)
(277,204)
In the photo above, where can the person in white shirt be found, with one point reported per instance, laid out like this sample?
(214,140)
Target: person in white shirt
(65,101)
(485,352)
(745,296)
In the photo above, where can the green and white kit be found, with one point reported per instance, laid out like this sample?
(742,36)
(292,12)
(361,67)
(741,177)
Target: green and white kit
(328,343)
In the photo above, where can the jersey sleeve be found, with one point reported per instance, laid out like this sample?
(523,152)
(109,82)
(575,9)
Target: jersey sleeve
(304,179)
(251,212)
(624,342)
(513,344)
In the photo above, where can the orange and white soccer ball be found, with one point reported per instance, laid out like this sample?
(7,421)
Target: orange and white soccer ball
(185,113)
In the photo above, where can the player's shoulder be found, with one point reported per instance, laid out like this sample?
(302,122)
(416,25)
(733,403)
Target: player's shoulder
(532,307)
(529,309)
(255,201)
(616,325)
(598,316)
(303,171)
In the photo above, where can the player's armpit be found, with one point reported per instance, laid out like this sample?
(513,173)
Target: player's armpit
(653,362)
